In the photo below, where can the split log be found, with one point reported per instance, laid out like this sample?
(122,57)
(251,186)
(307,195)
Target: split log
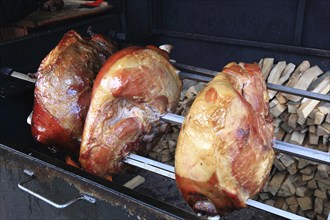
(312,114)
(304,81)
(319,117)
(297,138)
(292,121)
(286,73)
(292,169)
(320,194)
(312,129)
(279,134)
(309,122)
(264,196)
(312,184)
(318,205)
(323,171)
(326,125)
(281,99)
(273,103)
(280,203)
(315,83)
(287,129)
(296,74)
(307,104)
(278,109)
(279,165)
(135,182)
(324,107)
(293,208)
(267,65)
(277,122)
(327,119)
(293,106)
(276,182)
(287,188)
(313,139)
(275,75)
(165,155)
(287,160)
(303,191)
(321,130)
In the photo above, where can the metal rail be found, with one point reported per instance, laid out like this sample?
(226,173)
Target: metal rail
(279,146)
(207,75)
(168,171)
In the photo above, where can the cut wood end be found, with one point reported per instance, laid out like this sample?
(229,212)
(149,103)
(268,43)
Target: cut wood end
(135,182)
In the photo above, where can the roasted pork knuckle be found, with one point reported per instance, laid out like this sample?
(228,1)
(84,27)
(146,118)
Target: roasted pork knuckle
(224,152)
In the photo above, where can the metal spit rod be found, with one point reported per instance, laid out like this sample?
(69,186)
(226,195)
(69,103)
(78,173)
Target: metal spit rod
(207,75)
(279,146)
(168,171)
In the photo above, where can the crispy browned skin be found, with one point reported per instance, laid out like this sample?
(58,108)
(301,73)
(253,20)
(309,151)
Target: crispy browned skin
(133,89)
(63,89)
(224,152)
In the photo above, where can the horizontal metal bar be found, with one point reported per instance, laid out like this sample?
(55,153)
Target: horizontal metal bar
(151,165)
(22,76)
(152,162)
(298,92)
(173,118)
(273,210)
(302,152)
(209,74)
(279,146)
(168,171)
(184,75)
(240,42)
(195,69)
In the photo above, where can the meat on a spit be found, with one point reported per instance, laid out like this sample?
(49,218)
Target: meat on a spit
(224,152)
(63,89)
(132,90)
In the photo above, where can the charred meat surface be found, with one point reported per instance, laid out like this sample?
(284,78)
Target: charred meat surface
(63,89)
(132,90)
(224,152)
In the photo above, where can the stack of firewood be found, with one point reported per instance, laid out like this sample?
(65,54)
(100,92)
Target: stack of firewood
(299,120)
(297,185)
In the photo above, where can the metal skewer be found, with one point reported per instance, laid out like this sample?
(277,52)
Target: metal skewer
(279,146)
(270,86)
(207,76)
(168,171)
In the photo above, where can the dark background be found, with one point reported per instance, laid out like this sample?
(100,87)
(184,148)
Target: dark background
(204,33)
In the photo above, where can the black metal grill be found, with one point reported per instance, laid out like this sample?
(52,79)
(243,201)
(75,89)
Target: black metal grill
(168,171)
